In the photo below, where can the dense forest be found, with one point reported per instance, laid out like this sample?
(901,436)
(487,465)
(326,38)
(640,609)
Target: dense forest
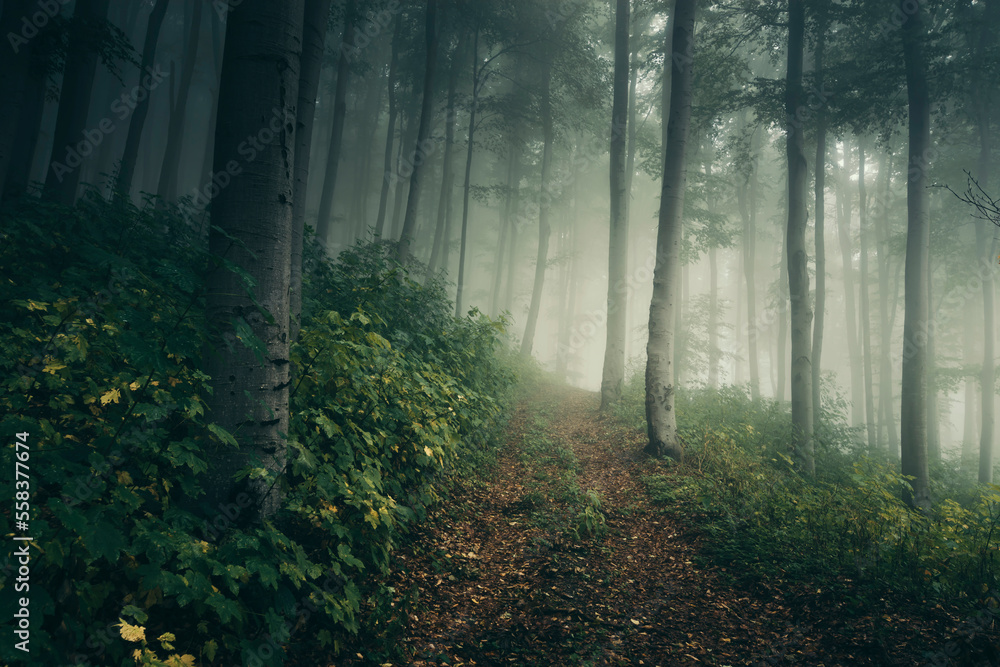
(481,332)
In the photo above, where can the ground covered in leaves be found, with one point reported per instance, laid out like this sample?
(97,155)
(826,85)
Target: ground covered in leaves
(559,558)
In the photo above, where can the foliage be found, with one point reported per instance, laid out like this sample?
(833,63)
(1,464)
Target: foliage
(103,332)
(848,524)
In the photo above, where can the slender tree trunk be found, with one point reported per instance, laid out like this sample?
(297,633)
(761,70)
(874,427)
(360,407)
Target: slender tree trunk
(713,318)
(252,229)
(218,43)
(167,188)
(972,429)
(315,16)
(746,204)
(63,176)
(548,132)
(866,336)
(820,233)
(324,220)
(913,409)
(850,307)
(933,422)
(408,137)
(468,175)
(661,418)
(798,271)
(782,339)
(448,172)
(885,338)
(613,375)
(426,114)
(387,178)
(505,224)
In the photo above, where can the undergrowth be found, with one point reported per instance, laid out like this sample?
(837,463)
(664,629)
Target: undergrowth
(103,332)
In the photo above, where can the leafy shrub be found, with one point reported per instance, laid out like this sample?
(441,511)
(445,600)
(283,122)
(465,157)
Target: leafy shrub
(103,329)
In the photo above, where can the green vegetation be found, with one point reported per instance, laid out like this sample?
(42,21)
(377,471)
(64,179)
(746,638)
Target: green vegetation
(103,329)
(844,531)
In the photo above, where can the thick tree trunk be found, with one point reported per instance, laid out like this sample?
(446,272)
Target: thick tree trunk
(866,335)
(316,14)
(63,176)
(426,114)
(390,133)
(324,220)
(252,229)
(541,258)
(798,270)
(167,188)
(913,409)
(661,418)
(613,375)
(448,171)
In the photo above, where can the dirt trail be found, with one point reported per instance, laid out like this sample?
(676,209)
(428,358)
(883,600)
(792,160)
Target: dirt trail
(501,582)
(516,571)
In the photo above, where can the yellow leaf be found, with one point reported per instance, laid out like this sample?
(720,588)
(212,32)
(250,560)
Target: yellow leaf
(428,451)
(111,396)
(134,386)
(132,633)
(124,477)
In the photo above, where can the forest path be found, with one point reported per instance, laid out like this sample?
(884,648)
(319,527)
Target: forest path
(507,574)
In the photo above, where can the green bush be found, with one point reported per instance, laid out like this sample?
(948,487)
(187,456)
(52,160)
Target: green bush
(102,332)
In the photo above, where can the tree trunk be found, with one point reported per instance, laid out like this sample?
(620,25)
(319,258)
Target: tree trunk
(798,270)
(613,375)
(933,422)
(661,418)
(167,188)
(505,223)
(390,133)
(782,339)
(541,258)
(885,390)
(324,220)
(850,307)
(972,430)
(913,408)
(316,14)
(745,200)
(468,174)
(218,43)
(820,233)
(63,176)
(866,335)
(426,114)
(448,171)
(714,353)
(252,229)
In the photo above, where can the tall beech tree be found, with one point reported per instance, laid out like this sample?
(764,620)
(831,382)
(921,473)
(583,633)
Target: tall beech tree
(661,388)
(251,235)
(913,404)
(795,246)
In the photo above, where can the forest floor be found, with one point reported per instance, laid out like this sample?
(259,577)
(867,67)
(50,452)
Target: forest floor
(505,573)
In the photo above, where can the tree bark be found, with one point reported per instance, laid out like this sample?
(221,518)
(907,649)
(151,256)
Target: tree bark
(661,417)
(613,375)
(324,220)
(252,229)
(913,408)
(850,305)
(15,70)
(798,271)
(426,114)
(746,203)
(315,16)
(63,179)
